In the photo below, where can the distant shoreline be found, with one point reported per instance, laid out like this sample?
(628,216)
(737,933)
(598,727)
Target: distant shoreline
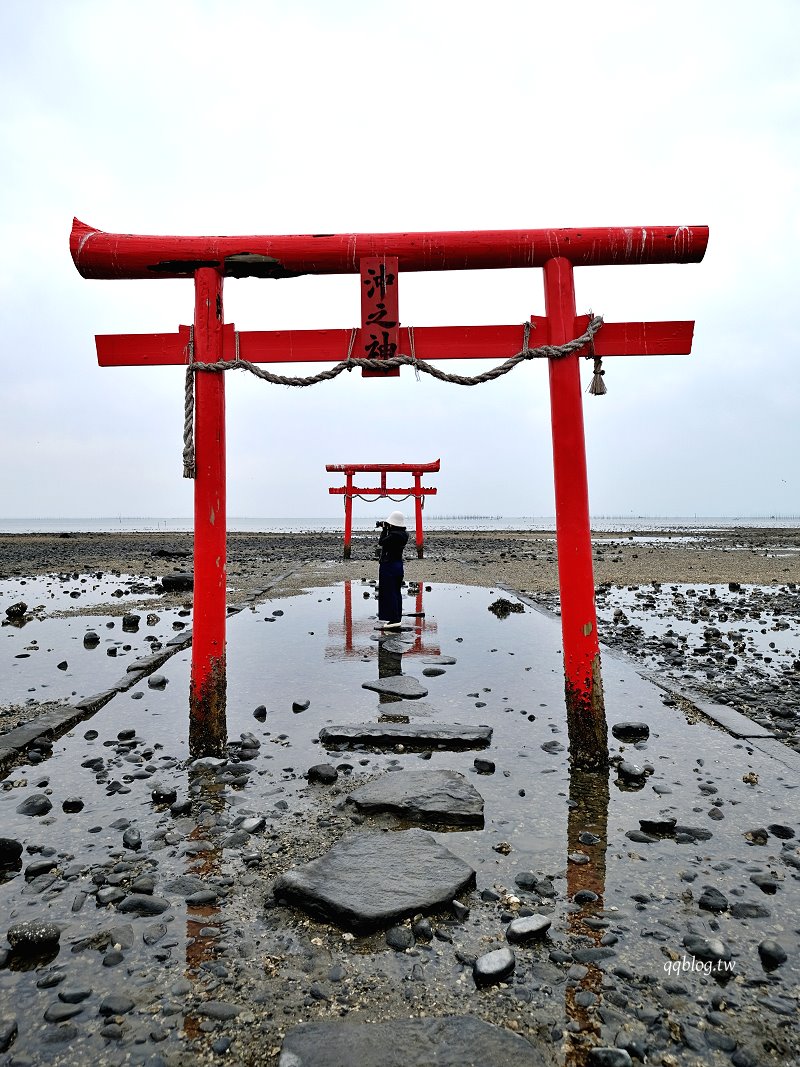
(325,525)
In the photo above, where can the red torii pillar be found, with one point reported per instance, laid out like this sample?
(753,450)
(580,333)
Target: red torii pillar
(378,258)
(348,490)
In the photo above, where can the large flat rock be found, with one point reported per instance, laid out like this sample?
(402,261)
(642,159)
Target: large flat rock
(398,685)
(440,796)
(425,735)
(368,881)
(449,1041)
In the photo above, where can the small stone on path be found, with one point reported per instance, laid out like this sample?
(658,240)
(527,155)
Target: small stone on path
(493,967)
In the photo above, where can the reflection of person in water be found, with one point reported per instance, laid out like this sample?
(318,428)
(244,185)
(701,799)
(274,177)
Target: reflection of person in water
(392,541)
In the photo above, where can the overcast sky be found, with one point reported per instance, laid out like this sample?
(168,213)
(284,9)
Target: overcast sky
(199,117)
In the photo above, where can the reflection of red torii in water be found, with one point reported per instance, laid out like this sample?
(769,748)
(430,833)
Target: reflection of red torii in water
(346,628)
(348,490)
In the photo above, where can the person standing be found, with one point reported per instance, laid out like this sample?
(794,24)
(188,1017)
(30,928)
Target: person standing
(392,541)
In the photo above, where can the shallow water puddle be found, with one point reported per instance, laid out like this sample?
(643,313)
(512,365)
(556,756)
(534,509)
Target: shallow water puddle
(71,592)
(304,660)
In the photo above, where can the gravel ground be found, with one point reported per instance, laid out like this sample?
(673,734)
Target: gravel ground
(524,560)
(629,905)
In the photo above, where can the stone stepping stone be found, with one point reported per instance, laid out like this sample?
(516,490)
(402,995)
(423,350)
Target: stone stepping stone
(395,646)
(449,1041)
(369,881)
(441,661)
(401,733)
(440,796)
(398,685)
(395,630)
(406,709)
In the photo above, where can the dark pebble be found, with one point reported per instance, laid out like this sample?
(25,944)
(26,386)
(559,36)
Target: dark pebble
(34,805)
(772,954)
(116,1004)
(493,967)
(399,937)
(324,773)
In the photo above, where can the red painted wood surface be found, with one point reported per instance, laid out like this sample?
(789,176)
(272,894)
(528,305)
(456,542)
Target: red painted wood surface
(419,500)
(207,730)
(348,514)
(434,465)
(573,537)
(379,336)
(382,490)
(431,343)
(120,255)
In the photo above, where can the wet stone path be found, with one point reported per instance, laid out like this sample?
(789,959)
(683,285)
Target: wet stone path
(384,875)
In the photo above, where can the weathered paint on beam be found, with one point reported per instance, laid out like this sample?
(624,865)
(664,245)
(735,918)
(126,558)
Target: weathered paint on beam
(120,255)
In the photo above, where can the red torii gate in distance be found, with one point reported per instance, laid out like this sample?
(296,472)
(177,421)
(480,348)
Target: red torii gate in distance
(348,490)
(378,258)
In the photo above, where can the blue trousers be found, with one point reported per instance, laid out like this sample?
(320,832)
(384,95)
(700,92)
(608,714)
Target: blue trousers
(390,596)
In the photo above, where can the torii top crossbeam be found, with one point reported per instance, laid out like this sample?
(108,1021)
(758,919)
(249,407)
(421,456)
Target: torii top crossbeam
(117,255)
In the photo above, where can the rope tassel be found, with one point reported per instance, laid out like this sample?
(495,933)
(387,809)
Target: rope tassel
(597,387)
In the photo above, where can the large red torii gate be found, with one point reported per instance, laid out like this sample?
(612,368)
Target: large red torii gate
(348,490)
(378,258)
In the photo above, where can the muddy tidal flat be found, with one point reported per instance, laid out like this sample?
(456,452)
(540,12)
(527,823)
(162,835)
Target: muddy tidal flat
(394,863)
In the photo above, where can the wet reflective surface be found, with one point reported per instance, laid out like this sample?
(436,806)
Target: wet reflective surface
(548,835)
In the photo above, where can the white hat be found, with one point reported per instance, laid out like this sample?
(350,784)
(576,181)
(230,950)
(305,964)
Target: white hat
(396,519)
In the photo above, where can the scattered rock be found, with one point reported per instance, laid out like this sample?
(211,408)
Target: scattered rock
(142,904)
(325,773)
(177,583)
(631,732)
(493,967)
(527,928)
(116,1004)
(35,805)
(609,1057)
(10,851)
(33,935)
(399,938)
(772,954)
(712,899)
